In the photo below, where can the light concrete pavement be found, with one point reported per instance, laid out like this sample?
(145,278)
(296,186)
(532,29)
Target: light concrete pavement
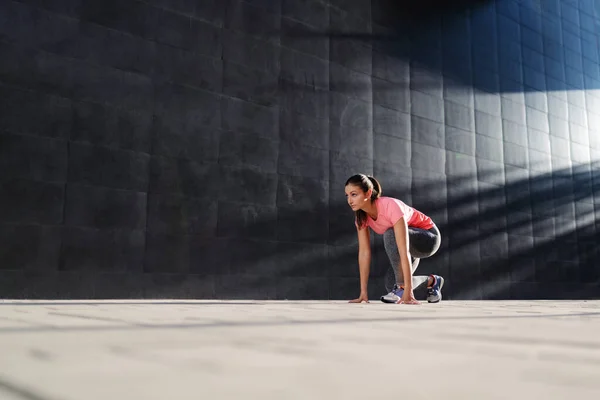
(62,350)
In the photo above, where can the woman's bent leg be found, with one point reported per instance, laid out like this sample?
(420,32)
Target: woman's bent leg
(391,249)
(422,244)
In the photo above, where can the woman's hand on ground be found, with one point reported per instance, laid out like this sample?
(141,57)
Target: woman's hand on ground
(408,297)
(363,297)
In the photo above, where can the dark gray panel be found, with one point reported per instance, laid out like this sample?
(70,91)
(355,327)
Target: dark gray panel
(135,18)
(576,97)
(303,289)
(427,132)
(87,82)
(34,113)
(458,93)
(580,153)
(306,39)
(537,100)
(243,14)
(392,122)
(245,184)
(540,161)
(558,127)
(514,133)
(537,119)
(458,164)
(245,285)
(539,140)
(182,31)
(489,148)
(18,69)
(349,82)
(488,103)
(90,249)
(167,253)
(352,54)
(242,116)
(244,149)
(355,141)
(184,253)
(29,247)
(353,14)
(302,129)
(304,99)
(35,158)
(392,69)
(302,193)
(427,82)
(212,10)
(302,160)
(516,155)
(180,215)
(347,111)
(427,157)
(342,166)
(188,144)
(393,95)
(305,69)
(179,286)
(25,201)
(459,116)
(309,226)
(29,26)
(257,86)
(98,207)
(394,181)
(247,220)
(593,119)
(592,102)
(460,141)
(491,172)
(182,110)
(186,123)
(101,166)
(427,106)
(312,12)
(107,126)
(107,47)
(178,176)
(513,111)
(188,68)
(393,150)
(488,125)
(577,115)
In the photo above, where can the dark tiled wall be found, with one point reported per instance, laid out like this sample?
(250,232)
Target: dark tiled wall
(199,148)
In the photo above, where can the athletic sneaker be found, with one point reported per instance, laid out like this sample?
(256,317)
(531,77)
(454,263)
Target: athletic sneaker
(393,296)
(434,293)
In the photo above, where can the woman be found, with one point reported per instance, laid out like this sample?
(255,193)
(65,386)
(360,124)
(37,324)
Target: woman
(408,236)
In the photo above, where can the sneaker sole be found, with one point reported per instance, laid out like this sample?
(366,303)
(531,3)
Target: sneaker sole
(387,301)
(441,286)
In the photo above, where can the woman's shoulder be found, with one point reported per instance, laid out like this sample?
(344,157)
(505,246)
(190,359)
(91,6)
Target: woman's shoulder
(387,201)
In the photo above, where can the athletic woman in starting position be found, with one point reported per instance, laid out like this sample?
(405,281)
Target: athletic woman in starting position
(408,236)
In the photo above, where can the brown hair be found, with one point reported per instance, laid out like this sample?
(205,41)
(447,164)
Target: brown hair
(365,182)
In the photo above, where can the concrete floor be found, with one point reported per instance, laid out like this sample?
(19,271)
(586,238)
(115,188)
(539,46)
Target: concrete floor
(298,350)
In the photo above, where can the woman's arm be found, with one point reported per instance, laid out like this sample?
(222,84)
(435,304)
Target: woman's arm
(401,233)
(364,258)
(364,264)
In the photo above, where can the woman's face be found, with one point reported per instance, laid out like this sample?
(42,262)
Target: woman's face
(356,197)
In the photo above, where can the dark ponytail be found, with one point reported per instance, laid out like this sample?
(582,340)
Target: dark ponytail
(365,182)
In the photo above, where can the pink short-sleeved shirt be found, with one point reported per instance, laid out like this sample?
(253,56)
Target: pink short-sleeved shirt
(390,210)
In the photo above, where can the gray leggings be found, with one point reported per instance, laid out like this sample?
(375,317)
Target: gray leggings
(423,243)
